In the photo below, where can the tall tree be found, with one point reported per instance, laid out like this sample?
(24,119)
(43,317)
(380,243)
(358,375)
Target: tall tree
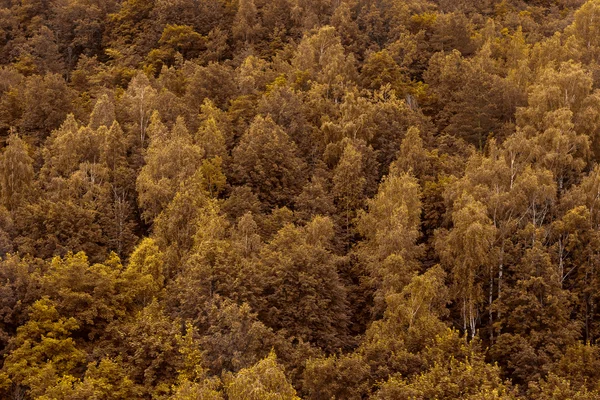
(16,172)
(42,352)
(465,250)
(297,267)
(169,161)
(266,160)
(263,380)
(391,230)
(349,184)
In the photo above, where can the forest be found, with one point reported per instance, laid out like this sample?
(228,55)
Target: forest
(299,199)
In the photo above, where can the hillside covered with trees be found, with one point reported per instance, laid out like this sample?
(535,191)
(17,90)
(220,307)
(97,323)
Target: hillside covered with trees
(284,199)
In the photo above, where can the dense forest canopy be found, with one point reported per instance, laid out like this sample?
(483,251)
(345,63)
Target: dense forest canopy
(284,199)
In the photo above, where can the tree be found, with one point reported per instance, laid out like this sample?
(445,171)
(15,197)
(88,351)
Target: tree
(287,109)
(474,101)
(344,376)
(266,379)
(150,348)
(106,379)
(344,21)
(578,367)
(380,69)
(266,160)
(562,150)
(16,172)
(215,82)
(86,200)
(40,53)
(118,211)
(43,351)
(216,45)
(245,24)
(555,100)
(103,113)
(575,235)
(465,250)
(146,271)
(176,226)
(316,198)
(200,255)
(235,339)
(139,100)
(183,39)
(392,116)
(211,135)
(584,30)
(349,184)
(321,57)
(297,271)
(47,100)
(169,162)
(19,290)
(212,176)
(192,391)
(246,235)
(466,375)
(94,295)
(398,343)
(412,157)
(130,25)
(60,153)
(391,230)
(535,329)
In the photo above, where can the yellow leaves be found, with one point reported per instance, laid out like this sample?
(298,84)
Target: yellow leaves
(253,75)
(113,53)
(169,163)
(280,81)
(191,369)
(211,135)
(213,178)
(103,113)
(525,14)
(212,226)
(322,55)
(466,250)
(207,390)
(565,85)
(246,24)
(394,213)
(180,37)
(339,377)
(42,350)
(424,298)
(391,229)
(348,179)
(457,370)
(320,231)
(145,271)
(263,381)
(586,29)
(16,172)
(424,20)
(576,218)
(380,69)
(412,158)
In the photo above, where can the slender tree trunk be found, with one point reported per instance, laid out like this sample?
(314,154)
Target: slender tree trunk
(490,300)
